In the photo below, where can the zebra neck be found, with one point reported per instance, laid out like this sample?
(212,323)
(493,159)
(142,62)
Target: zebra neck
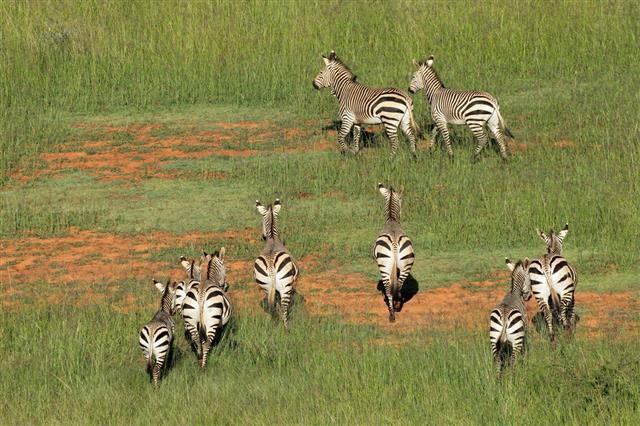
(166,302)
(342,85)
(392,212)
(432,85)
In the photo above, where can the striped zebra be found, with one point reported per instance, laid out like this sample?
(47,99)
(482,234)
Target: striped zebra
(475,109)
(553,282)
(360,105)
(508,321)
(206,308)
(393,250)
(156,336)
(274,270)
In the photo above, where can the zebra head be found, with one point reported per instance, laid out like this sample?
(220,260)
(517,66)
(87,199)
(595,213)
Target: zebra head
(168,300)
(554,241)
(424,77)
(520,281)
(392,202)
(190,267)
(334,70)
(212,268)
(269,218)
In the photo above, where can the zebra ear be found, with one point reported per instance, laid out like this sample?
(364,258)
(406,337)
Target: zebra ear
(276,206)
(525,262)
(384,191)
(510,264)
(326,60)
(332,55)
(415,63)
(160,286)
(261,209)
(221,254)
(430,61)
(185,263)
(542,235)
(563,232)
(401,191)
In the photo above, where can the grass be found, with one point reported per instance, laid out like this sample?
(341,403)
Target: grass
(321,372)
(566,77)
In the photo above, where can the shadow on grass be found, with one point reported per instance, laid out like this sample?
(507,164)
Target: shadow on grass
(410,288)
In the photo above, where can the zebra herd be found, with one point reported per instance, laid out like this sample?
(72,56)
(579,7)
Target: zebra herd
(360,104)
(202,299)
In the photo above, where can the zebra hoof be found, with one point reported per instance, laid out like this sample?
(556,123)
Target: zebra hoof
(392,318)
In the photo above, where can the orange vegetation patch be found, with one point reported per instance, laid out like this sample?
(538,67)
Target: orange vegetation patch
(92,259)
(458,306)
(564,143)
(515,146)
(244,125)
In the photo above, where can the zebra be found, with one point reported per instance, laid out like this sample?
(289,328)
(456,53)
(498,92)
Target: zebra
(274,270)
(156,336)
(393,250)
(360,105)
(508,321)
(475,109)
(206,308)
(553,282)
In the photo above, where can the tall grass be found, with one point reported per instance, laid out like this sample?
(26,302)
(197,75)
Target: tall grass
(62,365)
(65,56)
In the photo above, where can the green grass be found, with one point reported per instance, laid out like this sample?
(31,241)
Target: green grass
(563,72)
(86,368)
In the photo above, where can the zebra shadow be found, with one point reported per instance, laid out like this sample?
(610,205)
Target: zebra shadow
(410,288)
(368,138)
(296,300)
(540,325)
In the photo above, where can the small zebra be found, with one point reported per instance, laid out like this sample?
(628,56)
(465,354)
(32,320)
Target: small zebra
(206,308)
(553,282)
(275,270)
(508,321)
(360,105)
(475,109)
(393,250)
(156,336)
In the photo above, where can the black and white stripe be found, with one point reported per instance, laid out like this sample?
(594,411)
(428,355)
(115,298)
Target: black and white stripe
(475,109)
(360,105)
(206,308)
(156,336)
(393,251)
(274,270)
(553,282)
(508,321)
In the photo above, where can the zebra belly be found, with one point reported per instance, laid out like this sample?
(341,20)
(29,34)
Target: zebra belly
(369,120)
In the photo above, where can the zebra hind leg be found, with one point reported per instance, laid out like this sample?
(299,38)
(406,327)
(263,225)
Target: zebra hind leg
(494,127)
(357,133)
(408,131)
(548,319)
(389,299)
(392,132)
(284,309)
(478,133)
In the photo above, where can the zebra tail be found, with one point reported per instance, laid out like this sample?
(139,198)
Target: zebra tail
(393,278)
(507,132)
(150,362)
(414,125)
(271,296)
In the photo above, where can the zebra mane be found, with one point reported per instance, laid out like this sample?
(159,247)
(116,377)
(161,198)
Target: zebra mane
(344,66)
(392,205)
(269,219)
(212,267)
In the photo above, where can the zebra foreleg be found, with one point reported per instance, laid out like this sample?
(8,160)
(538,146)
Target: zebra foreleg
(345,128)
(442,128)
(357,132)
(432,143)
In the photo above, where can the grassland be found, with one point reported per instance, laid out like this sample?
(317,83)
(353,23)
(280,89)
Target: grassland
(131,135)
